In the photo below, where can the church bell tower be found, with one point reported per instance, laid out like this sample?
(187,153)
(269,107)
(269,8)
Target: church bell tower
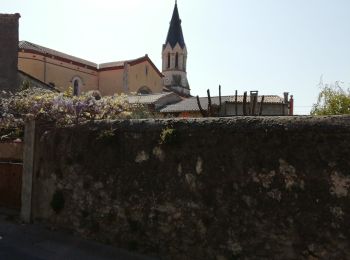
(174,57)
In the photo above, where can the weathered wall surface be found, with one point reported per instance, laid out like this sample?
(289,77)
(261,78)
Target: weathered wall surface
(11,151)
(242,188)
(144,75)
(8,50)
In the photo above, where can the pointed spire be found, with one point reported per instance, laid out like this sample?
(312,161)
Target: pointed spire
(175,30)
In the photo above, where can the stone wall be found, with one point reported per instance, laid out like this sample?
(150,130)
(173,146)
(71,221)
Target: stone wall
(8,50)
(239,188)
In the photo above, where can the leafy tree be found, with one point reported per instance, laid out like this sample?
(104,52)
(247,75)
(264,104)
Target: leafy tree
(333,99)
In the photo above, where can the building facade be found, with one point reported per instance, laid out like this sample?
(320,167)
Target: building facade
(62,70)
(140,75)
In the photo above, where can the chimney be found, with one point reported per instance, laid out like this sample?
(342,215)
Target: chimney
(253,102)
(286,94)
(291,106)
(8,51)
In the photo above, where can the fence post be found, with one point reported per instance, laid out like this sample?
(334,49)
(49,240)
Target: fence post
(28,167)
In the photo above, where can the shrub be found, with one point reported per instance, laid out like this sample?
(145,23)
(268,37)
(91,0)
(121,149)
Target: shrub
(168,136)
(333,99)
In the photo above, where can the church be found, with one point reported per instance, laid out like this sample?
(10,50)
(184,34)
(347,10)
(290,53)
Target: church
(139,75)
(166,92)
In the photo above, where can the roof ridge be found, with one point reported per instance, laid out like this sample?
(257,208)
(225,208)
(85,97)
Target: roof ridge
(114,63)
(122,60)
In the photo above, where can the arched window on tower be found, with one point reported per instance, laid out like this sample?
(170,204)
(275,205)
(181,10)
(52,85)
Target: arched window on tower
(168,61)
(184,63)
(177,60)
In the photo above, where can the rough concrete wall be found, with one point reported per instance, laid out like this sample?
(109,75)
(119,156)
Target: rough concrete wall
(241,188)
(8,50)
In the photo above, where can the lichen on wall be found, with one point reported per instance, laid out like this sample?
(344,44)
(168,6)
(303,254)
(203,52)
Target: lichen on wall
(340,184)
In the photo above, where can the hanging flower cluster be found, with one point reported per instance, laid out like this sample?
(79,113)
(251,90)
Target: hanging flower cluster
(62,108)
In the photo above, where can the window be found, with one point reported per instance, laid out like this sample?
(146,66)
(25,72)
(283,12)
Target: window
(146,70)
(144,91)
(168,60)
(176,60)
(76,87)
(77,83)
(184,63)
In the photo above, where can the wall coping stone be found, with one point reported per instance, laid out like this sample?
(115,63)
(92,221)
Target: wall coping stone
(239,123)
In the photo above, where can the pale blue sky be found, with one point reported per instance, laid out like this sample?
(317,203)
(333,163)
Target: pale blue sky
(267,45)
